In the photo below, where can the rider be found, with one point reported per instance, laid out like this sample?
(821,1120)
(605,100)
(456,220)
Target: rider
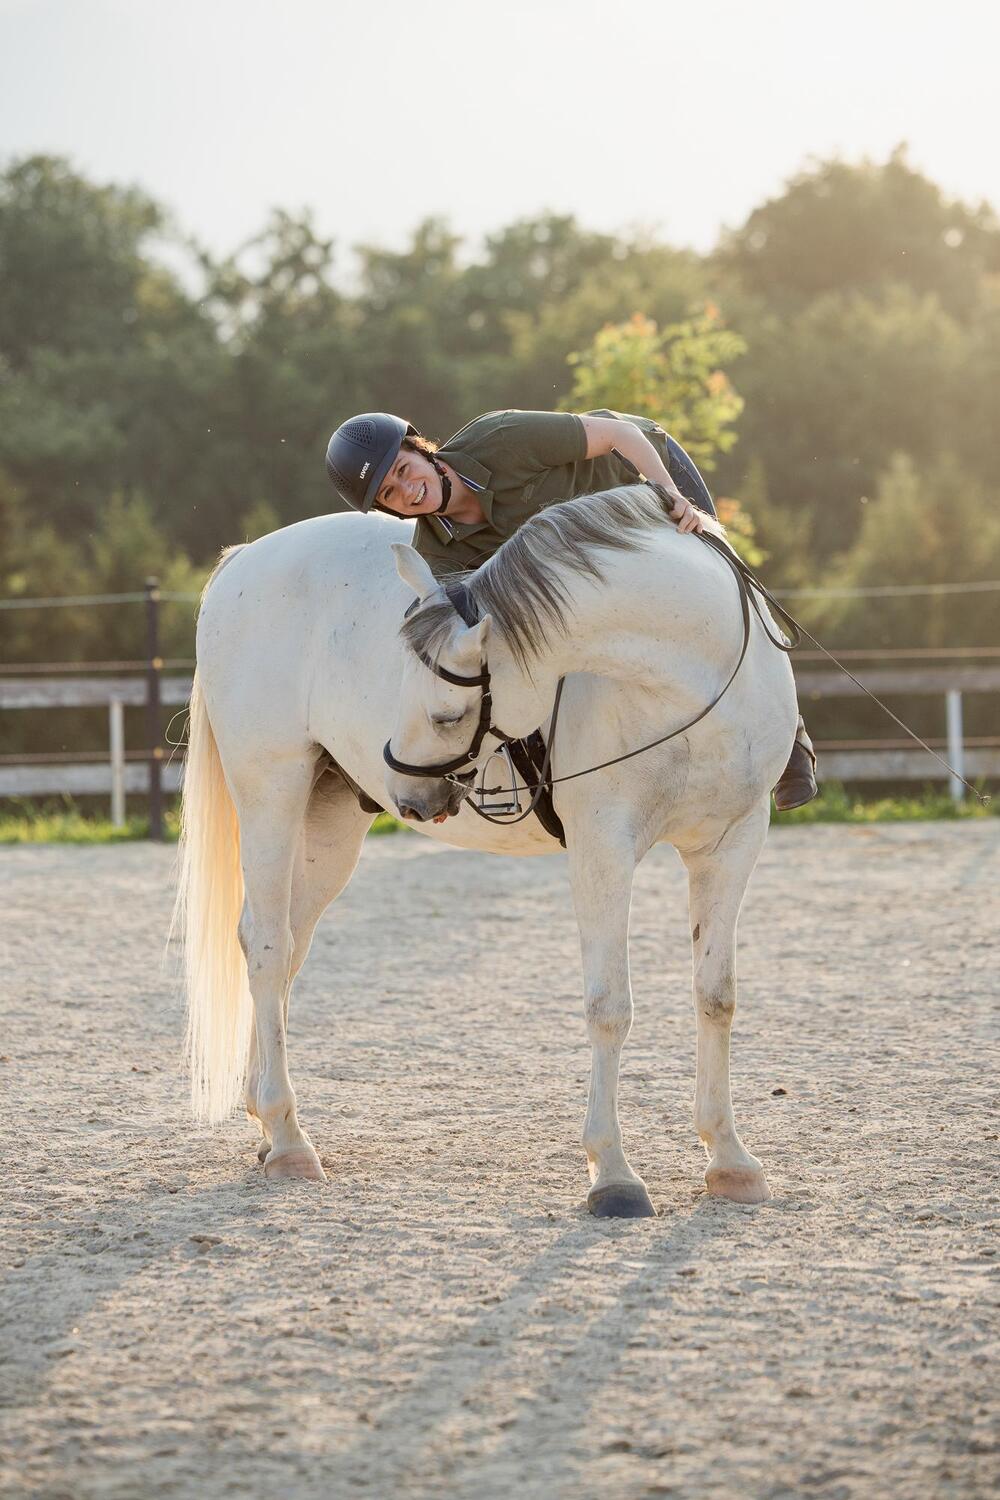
(472,493)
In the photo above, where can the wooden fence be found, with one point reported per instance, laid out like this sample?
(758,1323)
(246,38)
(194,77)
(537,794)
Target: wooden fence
(155,768)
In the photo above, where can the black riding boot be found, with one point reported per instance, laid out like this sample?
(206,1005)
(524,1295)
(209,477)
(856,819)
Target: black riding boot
(798,780)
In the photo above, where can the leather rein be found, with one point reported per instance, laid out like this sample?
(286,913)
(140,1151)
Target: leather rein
(457,770)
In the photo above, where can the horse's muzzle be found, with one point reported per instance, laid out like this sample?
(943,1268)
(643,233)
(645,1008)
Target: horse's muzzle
(432,800)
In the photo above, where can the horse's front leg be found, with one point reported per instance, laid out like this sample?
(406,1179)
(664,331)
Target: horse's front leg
(601,875)
(717,881)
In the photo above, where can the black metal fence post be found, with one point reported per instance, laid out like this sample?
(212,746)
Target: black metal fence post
(153,728)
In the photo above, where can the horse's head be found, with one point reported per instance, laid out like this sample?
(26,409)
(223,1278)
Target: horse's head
(444,702)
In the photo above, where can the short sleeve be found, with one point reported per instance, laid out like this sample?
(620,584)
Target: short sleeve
(544,439)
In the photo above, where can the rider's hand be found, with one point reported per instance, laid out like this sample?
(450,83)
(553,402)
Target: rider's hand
(687,516)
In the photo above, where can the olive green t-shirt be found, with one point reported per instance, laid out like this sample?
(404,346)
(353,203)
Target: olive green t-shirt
(520,461)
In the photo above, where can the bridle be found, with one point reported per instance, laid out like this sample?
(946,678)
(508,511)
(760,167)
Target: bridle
(457,769)
(461,769)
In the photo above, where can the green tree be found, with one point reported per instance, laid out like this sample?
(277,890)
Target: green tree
(661,283)
(843,227)
(832,390)
(931,526)
(125,547)
(675,376)
(928,525)
(293,371)
(107,365)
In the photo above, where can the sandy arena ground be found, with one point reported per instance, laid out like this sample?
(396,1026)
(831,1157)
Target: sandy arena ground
(444,1319)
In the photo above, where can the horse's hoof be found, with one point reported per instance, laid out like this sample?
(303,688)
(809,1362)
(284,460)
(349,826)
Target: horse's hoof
(738,1184)
(300,1162)
(620,1200)
(263,1151)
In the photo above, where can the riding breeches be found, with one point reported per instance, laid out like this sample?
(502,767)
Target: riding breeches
(684,472)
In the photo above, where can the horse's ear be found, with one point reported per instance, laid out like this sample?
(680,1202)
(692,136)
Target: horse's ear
(414,571)
(472,641)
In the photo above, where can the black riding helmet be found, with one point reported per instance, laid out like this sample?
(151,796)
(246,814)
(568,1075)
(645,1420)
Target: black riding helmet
(361,452)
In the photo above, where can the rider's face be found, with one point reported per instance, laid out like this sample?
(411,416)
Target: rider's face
(412,486)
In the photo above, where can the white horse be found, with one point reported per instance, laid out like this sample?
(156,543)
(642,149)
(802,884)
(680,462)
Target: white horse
(300,660)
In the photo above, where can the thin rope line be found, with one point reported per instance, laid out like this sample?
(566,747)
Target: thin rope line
(891,591)
(983,797)
(65,601)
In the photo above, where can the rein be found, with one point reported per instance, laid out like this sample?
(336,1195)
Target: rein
(745,582)
(749,586)
(458,770)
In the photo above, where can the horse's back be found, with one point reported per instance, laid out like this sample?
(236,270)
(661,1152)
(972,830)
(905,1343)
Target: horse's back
(300,605)
(305,560)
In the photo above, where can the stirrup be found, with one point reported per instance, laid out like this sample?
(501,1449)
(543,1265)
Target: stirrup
(508,804)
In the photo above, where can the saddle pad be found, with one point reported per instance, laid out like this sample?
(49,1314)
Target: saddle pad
(528,756)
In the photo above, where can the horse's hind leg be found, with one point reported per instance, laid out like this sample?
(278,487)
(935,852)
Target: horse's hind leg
(717,881)
(271,818)
(332,837)
(601,874)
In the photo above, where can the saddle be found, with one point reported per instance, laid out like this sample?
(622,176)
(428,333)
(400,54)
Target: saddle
(528,756)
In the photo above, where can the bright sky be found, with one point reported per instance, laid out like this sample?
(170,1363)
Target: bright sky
(679,118)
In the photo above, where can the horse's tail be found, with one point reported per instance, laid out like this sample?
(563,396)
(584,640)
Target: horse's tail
(207,913)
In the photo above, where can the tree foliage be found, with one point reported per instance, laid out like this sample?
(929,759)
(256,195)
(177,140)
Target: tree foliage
(636,367)
(145,422)
(922,526)
(861,229)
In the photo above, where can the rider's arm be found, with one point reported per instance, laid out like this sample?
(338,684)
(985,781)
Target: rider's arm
(605,433)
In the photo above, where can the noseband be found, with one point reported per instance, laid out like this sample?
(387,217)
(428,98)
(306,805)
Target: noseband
(457,770)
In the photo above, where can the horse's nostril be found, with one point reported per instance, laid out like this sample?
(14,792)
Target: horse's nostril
(411,813)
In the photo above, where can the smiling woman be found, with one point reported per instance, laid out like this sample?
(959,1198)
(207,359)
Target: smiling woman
(380,462)
(416,483)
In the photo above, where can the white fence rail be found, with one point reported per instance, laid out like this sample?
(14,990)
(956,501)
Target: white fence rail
(82,774)
(117,774)
(99,778)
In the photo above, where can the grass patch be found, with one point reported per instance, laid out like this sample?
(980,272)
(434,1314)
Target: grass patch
(64,823)
(385,823)
(69,825)
(836,805)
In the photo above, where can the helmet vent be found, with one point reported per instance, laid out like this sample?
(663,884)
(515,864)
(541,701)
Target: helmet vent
(360,432)
(339,478)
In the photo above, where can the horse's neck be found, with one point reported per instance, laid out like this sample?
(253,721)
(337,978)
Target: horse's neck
(652,620)
(660,621)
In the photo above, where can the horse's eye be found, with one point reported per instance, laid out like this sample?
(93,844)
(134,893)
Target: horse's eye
(443,721)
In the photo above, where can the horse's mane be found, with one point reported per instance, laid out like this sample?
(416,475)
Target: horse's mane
(523,586)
